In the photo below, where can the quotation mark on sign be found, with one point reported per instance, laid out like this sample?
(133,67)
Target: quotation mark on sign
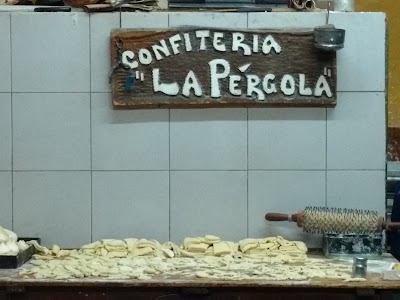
(327,72)
(139,75)
(130,80)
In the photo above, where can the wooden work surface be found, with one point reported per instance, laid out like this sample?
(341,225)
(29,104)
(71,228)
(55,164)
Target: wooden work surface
(10,278)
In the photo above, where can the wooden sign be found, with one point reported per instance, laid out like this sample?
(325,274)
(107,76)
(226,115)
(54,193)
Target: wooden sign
(196,68)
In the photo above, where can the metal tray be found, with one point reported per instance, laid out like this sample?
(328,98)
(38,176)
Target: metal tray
(15,261)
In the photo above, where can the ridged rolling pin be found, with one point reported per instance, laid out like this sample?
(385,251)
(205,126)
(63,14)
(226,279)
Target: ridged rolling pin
(336,220)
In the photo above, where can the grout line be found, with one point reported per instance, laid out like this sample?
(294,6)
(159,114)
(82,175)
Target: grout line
(27,171)
(90,129)
(326,157)
(168,20)
(360,91)
(109,92)
(247,171)
(12,164)
(247,20)
(169,174)
(27,92)
(120,17)
(210,170)
(12,129)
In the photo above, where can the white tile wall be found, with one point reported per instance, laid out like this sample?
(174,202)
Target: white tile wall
(100,57)
(361,63)
(210,139)
(5,53)
(54,206)
(50,52)
(6,199)
(5,131)
(141,20)
(286,20)
(51,131)
(287,138)
(357,189)
(128,140)
(283,192)
(206,202)
(168,174)
(356,132)
(207,19)
(131,204)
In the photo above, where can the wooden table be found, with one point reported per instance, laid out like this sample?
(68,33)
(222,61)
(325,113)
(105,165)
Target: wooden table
(14,287)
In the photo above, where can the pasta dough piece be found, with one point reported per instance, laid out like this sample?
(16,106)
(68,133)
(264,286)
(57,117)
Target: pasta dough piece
(198,248)
(91,245)
(114,243)
(12,237)
(143,243)
(38,247)
(168,253)
(55,249)
(117,253)
(209,251)
(248,244)
(189,241)
(202,274)
(142,251)
(211,239)
(222,248)
(301,246)
(185,253)
(3,235)
(268,246)
(130,243)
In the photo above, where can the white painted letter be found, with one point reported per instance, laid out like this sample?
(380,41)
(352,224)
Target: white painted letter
(218,45)
(203,34)
(234,85)
(268,85)
(288,80)
(172,40)
(302,89)
(163,48)
(171,89)
(215,77)
(270,43)
(145,57)
(188,44)
(255,42)
(252,82)
(322,86)
(191,82)
(237,39)
(127,59)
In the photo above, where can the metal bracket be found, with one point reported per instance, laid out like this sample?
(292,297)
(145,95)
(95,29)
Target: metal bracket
(119,64)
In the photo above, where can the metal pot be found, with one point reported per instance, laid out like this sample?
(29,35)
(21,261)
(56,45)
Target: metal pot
(329,38)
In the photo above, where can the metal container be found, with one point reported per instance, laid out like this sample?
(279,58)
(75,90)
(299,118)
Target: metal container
(359,267)
(329,38)
(353,245)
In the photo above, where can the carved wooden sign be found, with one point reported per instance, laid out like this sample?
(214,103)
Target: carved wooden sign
(196,68)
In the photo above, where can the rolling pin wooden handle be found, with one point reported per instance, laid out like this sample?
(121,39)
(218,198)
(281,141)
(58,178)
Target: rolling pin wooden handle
(280,217)
(392,225)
